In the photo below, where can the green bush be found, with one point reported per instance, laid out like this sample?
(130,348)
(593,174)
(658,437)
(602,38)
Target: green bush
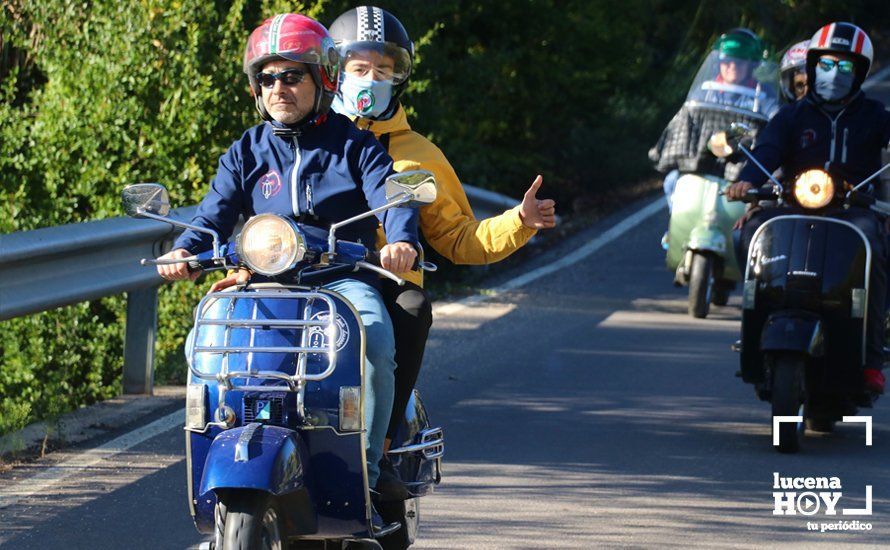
(97,94)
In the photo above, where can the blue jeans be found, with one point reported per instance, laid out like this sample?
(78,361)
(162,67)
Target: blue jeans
(670,184)
(380,364)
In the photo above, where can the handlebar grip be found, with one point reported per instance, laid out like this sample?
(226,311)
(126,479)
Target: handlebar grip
(861,199)
(373,258)
(758,194)
(193,266)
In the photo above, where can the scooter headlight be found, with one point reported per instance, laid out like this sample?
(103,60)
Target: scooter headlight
(271,244)
(813,189)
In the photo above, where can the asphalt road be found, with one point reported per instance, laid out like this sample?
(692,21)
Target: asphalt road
(585,410)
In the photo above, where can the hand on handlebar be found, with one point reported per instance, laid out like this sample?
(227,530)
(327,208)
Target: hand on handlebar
(737,191)
(177,272)
(398,257)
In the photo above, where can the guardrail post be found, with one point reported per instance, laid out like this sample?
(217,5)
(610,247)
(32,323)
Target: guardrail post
(139,346)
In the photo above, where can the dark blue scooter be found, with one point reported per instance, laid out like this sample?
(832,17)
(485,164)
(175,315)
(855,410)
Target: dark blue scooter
(274,408)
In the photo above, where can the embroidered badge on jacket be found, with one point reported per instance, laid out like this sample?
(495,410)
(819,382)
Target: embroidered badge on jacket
(270,184)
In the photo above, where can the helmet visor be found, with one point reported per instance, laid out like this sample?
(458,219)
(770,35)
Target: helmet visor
(379,61)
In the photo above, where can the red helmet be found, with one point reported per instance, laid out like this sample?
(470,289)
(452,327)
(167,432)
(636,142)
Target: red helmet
(844,38)
(299,38)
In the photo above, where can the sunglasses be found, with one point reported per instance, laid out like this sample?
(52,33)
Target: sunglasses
(290,77)
(843,65)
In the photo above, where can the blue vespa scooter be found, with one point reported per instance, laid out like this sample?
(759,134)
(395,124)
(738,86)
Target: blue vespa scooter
(274,408)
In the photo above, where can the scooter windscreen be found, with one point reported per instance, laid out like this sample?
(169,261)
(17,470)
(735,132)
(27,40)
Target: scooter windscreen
(733,84)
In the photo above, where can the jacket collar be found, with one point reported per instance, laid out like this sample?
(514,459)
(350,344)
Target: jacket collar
(290,131)
(396,123)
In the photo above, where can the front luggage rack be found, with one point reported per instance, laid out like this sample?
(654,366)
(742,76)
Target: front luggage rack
(281,381)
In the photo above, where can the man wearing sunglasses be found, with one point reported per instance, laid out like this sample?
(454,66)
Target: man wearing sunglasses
(835,128)
(318,168)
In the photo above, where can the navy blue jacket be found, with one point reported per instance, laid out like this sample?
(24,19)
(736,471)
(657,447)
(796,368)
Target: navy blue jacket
(327,174)
(802,136)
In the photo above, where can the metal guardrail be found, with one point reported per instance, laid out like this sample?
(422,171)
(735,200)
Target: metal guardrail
(53,267)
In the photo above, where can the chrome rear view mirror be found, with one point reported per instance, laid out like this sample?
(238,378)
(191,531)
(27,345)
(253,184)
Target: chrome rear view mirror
(419,186)
(140,198)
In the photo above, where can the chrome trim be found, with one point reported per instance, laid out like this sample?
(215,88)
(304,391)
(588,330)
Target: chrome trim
(432,445)
(300,376)
(243,445)
(833,220)
(212,233)
(189,474)
(391,203)
(859,303)
(382,272)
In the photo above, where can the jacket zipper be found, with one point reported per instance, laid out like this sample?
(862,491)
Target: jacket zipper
(309,204)
(295,178)
(844,152)
(833,135)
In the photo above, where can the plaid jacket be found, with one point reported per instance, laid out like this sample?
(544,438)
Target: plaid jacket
(684,142)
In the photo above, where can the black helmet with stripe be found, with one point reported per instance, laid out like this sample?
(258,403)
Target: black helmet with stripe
(841,38)
(371,28)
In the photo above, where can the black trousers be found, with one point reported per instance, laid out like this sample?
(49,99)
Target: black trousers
(412,316)
(872,226)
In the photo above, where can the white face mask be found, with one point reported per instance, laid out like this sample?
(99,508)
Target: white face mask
(360,97)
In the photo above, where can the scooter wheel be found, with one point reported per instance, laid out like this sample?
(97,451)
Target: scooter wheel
(787,398)
(700,280)
(252,521)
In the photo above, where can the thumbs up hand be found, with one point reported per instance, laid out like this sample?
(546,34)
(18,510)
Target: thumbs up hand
(536,213)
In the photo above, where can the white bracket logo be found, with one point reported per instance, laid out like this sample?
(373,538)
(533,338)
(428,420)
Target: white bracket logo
(777,420)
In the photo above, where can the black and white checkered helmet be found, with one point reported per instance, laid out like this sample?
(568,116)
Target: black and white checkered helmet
(368,28)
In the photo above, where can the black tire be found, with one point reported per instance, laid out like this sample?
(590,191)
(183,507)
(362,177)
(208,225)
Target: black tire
(405,512)
(700,281)
(720,292)
(787,398)
(252,522)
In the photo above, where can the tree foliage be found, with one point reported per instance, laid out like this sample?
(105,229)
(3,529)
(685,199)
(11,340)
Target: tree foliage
(96,94)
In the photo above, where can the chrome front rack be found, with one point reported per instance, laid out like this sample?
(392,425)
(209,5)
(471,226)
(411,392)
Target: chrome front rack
(293,383)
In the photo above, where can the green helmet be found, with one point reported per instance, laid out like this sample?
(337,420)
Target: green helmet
(740,44)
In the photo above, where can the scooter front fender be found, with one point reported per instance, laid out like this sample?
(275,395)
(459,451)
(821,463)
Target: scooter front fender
(799,331)
(708,239)
(258,457)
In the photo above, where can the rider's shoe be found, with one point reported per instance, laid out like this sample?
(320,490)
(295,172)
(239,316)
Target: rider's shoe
(380,528)
(873,380)
(664,240)
(390,485)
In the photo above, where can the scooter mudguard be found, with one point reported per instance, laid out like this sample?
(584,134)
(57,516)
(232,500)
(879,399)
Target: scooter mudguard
(707,239)
(799,331)
(265,458)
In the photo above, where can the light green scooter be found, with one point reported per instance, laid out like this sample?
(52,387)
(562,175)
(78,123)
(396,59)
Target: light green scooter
(700,246)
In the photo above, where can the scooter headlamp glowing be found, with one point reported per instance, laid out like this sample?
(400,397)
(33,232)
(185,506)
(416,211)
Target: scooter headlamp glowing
(271,244)
(813,189)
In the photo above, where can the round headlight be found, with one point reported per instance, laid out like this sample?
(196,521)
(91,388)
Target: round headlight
(813,189)
(271,244)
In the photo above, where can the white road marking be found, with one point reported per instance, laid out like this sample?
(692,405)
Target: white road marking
(619,229)
(39,483)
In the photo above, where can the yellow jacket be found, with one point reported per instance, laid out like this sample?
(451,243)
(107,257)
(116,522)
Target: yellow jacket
(447,224)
